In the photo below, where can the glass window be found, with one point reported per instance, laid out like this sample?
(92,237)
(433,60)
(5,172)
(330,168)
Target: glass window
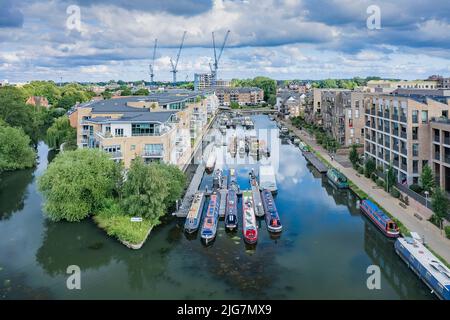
(356,113)
(415,148)
(118,132)
(424,116)
(415,115)
(144,129)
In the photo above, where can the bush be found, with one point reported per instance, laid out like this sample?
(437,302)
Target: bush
(361,170)
(447,231)
(416,188)
(395,193)
(374,177)
(380,182)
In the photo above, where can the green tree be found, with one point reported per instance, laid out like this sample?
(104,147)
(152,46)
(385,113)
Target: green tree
(234,105)
(176,181)
(390,178)
(77,183)
(370,167)
(126,92)
(106,94)
(354,156)
(440,205)
(15,150)
(46,89)
(427,179)
(145,191)
(60,132)
(141,92)
(13,109)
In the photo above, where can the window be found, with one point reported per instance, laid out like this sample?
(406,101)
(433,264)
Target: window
(118,132)
(133,147)
(424,116)
(153,149)
(349,113)
(352,132)
(108,129)
(357,140)
(415,149)
(144,129)
(415,115)
(415,133)
(350,141)
(356,112)
(415,166)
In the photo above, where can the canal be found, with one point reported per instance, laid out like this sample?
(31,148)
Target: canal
(323,252)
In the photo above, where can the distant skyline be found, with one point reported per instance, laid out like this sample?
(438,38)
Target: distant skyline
(281,39)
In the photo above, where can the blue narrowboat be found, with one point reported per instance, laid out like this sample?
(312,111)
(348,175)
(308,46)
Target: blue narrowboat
(337,178)
(209,227)
(195,213)
(380,219)
(425,265)
(231,220)
(271,213)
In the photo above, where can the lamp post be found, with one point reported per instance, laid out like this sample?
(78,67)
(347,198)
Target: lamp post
(387,180)
(426,198)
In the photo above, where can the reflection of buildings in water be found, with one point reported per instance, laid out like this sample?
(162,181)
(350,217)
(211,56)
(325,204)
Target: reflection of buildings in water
(341,196)
(382,253)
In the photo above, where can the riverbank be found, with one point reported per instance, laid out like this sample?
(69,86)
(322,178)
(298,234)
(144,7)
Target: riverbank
(406,216)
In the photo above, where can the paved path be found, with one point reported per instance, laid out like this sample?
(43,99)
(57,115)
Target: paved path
(432,235)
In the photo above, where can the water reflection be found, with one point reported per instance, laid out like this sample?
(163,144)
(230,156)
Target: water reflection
(13,191)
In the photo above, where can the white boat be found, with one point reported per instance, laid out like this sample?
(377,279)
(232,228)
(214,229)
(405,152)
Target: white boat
(241,146)
(211,162)
(267,179)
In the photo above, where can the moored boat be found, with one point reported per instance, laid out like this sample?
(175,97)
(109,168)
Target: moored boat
(217,179)
(231,221)
(209,227)
(337,178)
(271,213)
(425,265)
(241,147)
(257,202)
(195,213)
(211,162)
(223,202)
(380,219)
(267,179)
(249,227)
(303,146)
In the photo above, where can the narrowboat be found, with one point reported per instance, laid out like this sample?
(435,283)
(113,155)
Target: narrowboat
(195,213)
(271,213)
(425,265)
(209,227)
(254,146)
(233,181)
(267,179)
(303,146)
(284,131)
(297,141)
(231,221)
(223,202)
(257,202)
(337,178)
(249,227)
(233,146)
(241,147)
(380,219)
(224,184)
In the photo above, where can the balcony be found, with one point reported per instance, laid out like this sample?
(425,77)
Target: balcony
(84,141)
(85,132)
(447,141)
(116,155)
(447,159)
(152,154)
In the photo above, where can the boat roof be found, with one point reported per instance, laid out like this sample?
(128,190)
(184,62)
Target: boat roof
(428,260)
(375,208)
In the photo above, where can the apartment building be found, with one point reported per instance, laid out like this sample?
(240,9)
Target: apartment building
(387,86)
(440,150)
(242,95)
(163,126)
(290,103)
(339,112)
(398,132)
(204,81)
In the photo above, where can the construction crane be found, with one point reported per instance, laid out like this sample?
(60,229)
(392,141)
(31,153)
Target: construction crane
(215,66)
(152,65)
(175,64)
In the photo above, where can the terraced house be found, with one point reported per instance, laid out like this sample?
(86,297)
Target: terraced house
(407,129)
(164,126)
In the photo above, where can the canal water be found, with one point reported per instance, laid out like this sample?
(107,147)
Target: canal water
(323,252)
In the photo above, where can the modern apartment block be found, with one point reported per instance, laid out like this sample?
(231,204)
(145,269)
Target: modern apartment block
(159,127)
(290,103)
(398,131)
(387,86)
(339,112)
(241,95)
(204,81)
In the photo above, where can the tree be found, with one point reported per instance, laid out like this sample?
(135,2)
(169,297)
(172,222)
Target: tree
(176,181)
(106,94)
(370,167)
(46,89)
(390,178)
(77,183)
(440,205)
(60,132)
(145,191)
(427,178)
(141,92)
(234,105)
(354,156)
(126,92)
(15,150)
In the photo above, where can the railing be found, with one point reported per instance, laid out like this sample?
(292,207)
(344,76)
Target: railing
(440,120)
(447,159)
(419,198)
(116,155)
(395,132)
(387,144)
(387,157)
(152,154)
(85,132)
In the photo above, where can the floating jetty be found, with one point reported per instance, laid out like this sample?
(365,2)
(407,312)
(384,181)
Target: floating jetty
(319,165)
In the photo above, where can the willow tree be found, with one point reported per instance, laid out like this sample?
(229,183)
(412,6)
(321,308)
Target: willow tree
(60,132)
(15,150)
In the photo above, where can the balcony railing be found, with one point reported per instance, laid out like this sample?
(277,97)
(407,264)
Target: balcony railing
(116,155)
(152,154)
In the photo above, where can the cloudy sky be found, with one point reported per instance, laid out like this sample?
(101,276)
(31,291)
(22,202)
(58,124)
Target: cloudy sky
(283,39)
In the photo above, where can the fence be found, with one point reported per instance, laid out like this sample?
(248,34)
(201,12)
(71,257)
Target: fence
(422,200)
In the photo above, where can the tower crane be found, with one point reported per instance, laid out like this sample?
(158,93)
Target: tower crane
(152,65)
(215,66)
(175,64)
